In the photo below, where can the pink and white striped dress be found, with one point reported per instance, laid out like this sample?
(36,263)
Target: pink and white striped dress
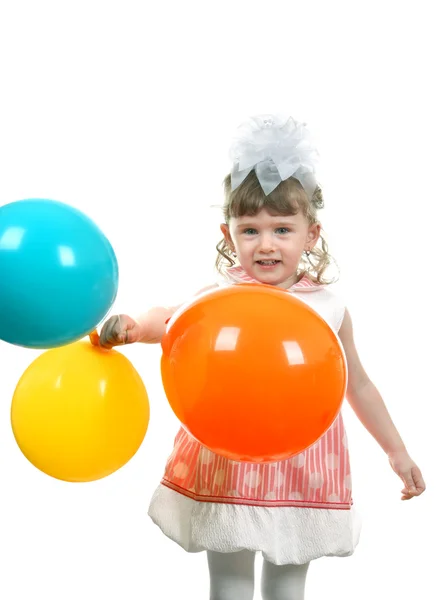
(293,511)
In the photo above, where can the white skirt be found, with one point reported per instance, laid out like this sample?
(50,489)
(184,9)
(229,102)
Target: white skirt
(284,535)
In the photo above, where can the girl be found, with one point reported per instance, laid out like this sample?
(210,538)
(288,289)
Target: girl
(299,509)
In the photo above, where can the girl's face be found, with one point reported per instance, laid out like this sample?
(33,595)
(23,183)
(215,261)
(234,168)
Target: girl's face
(269,247)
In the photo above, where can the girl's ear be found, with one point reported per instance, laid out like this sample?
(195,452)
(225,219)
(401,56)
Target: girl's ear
(313,234)
(227,235)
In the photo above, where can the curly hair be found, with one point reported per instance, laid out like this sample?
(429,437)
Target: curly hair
(288,198)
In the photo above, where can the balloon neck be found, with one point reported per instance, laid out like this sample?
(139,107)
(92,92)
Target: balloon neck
(94,338)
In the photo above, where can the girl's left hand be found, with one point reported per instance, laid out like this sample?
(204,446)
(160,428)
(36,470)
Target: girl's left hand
(403,465)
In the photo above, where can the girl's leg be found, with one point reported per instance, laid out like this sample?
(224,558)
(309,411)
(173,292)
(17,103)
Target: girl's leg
(231,575)
(283,582)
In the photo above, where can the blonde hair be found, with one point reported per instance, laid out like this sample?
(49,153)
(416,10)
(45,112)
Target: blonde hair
(288,198)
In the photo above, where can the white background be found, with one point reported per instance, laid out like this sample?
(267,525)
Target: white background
(125,110)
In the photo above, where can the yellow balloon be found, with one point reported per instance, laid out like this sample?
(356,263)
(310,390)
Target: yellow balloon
(79,413)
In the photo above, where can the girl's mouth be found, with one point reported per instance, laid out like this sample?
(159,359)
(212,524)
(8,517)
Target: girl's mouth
(268,264)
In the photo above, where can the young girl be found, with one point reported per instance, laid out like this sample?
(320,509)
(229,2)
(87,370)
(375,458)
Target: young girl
(299,509)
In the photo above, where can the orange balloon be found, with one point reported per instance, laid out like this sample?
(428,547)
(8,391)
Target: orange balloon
(252,372)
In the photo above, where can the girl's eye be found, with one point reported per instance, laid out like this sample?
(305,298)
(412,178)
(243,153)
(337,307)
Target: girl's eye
(282,230)
(250,231)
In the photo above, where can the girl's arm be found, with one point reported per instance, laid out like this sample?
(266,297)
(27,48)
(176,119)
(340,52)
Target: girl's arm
(148,328)
(364,397)
(153,322)
(369,407)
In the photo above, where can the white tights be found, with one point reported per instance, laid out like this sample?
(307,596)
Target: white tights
(232,578)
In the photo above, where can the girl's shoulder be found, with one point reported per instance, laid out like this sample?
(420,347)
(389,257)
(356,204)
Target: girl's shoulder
(326,299)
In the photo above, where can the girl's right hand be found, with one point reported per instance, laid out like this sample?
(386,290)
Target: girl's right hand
(119,330)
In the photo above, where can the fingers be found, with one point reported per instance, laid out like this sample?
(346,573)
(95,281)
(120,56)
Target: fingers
(112,333)
(414,483)
(407,479)
(418,480)
(122,333)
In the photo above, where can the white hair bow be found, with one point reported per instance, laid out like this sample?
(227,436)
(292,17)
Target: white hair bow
(277,149)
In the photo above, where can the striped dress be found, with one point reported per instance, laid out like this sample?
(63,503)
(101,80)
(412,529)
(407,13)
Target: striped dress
(293,511)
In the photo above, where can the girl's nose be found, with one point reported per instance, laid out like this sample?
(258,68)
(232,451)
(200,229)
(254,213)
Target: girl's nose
(266,243)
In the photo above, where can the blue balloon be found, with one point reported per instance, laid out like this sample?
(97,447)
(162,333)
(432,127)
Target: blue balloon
(58,274)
